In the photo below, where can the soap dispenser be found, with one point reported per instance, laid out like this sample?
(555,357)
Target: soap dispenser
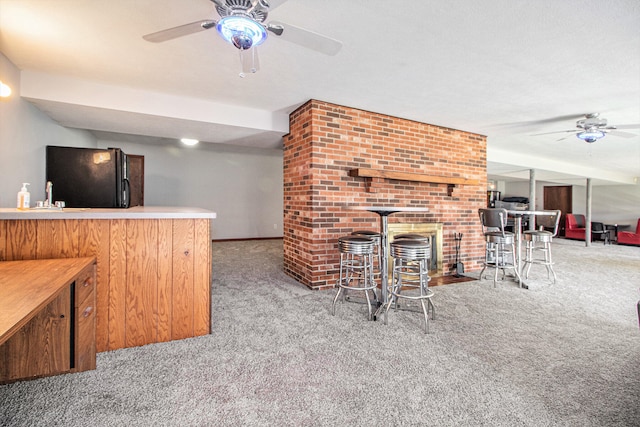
(24,197)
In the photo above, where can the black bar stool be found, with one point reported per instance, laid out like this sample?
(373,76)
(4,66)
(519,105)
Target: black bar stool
(410,269)
(356,269)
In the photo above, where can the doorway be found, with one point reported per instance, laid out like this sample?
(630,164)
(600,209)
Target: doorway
(136,180)
(559,197)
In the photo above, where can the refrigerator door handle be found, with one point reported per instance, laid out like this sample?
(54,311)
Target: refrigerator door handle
(126,193)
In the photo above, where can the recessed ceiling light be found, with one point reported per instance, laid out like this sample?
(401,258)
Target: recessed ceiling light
(189,141)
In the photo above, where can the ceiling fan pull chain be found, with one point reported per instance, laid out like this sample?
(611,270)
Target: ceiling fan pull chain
(249,62)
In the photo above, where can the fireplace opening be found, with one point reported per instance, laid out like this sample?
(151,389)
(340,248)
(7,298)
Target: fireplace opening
(431,230)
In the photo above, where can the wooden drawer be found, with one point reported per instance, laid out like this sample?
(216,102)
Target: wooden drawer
(85,284)
(85,335)
(85,325)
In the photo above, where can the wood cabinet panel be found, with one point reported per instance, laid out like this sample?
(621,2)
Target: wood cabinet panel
(142,282)
(21,240)
(183,278)
(117,285)
(165,279)
(202,278)
(94,242)
(3,240)
(57,239)
(41,347)
(85,307)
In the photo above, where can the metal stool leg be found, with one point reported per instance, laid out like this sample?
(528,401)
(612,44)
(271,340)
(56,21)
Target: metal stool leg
(498,261)
(550,261)
(529,257)
(545,259)
(394,286)
(411,262)
(335,299)
(356,270)
(514,263)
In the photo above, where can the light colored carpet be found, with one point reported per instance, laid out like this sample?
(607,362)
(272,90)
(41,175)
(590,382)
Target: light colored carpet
(555,355)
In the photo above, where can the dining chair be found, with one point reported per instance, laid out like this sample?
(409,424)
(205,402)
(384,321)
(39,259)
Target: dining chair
(599,232)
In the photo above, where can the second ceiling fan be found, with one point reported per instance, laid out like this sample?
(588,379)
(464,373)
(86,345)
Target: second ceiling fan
(593,127)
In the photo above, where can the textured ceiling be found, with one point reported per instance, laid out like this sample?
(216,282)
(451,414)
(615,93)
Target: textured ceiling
(508,69)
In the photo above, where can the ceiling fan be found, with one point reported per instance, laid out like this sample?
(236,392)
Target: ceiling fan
(242,24)
(593,127)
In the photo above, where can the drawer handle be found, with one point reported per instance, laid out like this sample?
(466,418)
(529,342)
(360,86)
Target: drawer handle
(87,311)
(87,282)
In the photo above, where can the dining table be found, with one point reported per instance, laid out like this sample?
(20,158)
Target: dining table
(517,215)
(384,212)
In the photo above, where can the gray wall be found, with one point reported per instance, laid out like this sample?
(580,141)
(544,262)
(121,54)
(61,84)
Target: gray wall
(24,132)
(611,204)
(243,186)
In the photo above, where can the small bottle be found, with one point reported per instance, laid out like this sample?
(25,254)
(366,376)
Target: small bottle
(24,197)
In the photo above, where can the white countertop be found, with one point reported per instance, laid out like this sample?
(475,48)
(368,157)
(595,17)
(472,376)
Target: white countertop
(138,212)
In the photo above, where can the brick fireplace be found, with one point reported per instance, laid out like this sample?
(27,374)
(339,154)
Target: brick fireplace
(432,230)
(336,157)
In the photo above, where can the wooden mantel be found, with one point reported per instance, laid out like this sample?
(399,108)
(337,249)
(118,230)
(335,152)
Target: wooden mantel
(411,176)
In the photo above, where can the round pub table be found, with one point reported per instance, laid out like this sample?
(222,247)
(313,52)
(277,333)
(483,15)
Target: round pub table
(384,212)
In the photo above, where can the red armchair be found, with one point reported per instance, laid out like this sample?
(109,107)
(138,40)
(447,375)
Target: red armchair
(574,226)
(630,238)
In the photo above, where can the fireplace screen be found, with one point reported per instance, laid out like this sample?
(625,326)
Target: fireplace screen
(431,230)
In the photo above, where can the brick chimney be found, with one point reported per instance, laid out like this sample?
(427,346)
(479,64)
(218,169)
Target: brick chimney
(327,141)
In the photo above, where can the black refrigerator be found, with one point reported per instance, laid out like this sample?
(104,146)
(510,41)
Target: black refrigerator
(88,177)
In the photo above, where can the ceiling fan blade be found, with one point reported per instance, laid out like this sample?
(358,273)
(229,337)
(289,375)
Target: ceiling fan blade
(254,4)
(221,3)
(621,134)
(274,3)
(563,138)
(305,38)
(540,122)
(559,131)
(179,31)
(634,126)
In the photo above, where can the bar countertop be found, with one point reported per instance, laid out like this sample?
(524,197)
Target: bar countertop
(137,212)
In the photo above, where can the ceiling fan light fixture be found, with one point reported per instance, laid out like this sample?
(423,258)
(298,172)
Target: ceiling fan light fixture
(590,135)
(242,32)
